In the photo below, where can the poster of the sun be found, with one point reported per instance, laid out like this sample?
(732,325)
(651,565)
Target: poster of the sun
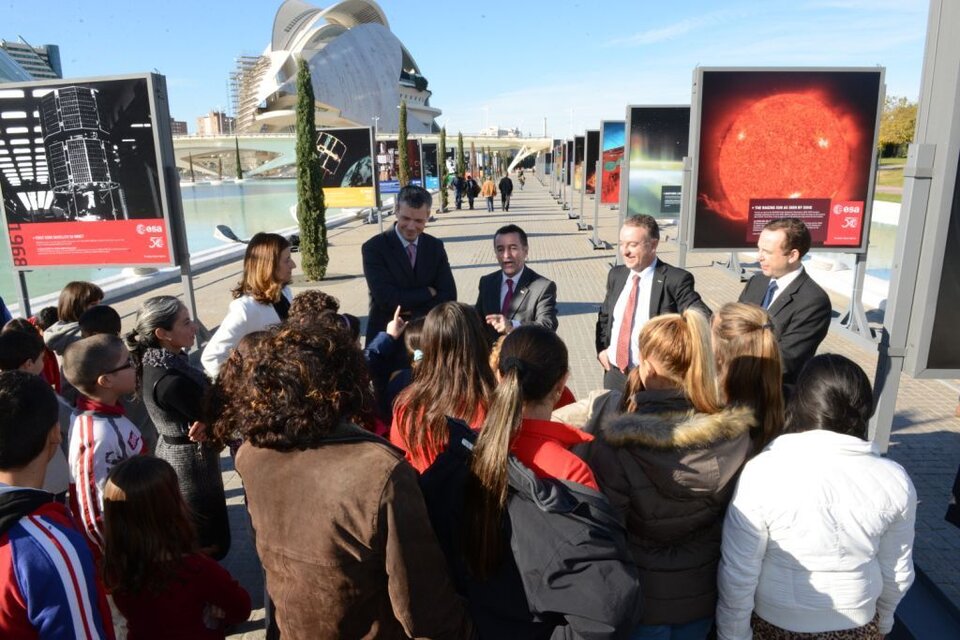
(592,155)
(658,143)
(347,161)
(778,143)
(388,165)
(431,169)
(568,162)
(611,149)
(79,177)
(578,142)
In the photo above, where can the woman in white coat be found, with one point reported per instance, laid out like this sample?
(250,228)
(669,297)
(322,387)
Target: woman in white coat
(818,540)
(262,297)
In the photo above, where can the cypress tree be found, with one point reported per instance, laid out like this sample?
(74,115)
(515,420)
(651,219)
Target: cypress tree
(442,162)
(311,212)
(193,178)
(473,160)
(403,172)
(461,161)
(219,167)
(236,142)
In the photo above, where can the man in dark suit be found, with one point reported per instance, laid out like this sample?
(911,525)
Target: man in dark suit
(405,267)
(516,294)
(799,309)
(640,289)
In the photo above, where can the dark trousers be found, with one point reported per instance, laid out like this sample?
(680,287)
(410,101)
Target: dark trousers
(614,379)
(505,201)
(458,199)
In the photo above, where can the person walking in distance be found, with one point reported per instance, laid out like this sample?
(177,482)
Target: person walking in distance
(506,190)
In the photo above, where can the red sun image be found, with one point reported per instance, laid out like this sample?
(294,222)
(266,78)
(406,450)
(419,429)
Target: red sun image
(788,145)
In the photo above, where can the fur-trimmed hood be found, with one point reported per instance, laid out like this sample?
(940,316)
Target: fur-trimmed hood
(682,451)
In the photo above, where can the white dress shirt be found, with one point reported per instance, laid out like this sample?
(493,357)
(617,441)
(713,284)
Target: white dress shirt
(640,317)
(783,282)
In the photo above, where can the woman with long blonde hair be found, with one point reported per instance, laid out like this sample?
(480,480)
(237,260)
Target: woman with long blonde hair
(669,466)
(749,367)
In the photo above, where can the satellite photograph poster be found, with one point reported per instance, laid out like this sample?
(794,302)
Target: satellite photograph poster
(592,155)
(79,177)
(776,143)
(578,143)
(658,143)
(388,165)
(611,158)
(347,161)
(431,168)
(568,162)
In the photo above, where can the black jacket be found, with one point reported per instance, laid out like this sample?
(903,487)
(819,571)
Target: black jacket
(568,573)
(801,318)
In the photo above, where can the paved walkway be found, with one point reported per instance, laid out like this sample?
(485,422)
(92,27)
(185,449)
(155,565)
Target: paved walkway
(926,438)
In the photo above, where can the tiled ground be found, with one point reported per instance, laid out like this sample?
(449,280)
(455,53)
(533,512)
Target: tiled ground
(926,438)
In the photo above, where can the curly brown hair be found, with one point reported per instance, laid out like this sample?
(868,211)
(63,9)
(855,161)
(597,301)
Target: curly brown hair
(308,305)
(295,387)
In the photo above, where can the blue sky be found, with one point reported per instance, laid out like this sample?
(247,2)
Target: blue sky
(497,62)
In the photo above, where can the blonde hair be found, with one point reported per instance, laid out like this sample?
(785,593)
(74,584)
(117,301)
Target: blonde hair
(260,263)
(749,365)
(680,343)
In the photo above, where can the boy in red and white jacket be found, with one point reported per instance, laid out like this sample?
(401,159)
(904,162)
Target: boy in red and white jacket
(101,369)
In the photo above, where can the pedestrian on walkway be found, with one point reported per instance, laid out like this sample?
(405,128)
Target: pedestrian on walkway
(488,191)
(522,180)
(459,185)
(506,190)
(472,189)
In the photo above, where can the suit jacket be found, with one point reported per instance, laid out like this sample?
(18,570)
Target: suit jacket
(672,292)
(534,299)
(800,315)
(392,281)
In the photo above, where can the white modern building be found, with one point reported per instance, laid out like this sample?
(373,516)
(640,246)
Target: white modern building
(361,72)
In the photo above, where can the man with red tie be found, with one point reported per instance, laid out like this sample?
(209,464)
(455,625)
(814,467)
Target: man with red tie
(516,294)
(642,288)
(405,267)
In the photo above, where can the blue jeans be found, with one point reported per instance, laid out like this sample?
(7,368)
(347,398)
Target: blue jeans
(696,630)
(490,203)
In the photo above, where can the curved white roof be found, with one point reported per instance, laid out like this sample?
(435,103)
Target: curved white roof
(295,17)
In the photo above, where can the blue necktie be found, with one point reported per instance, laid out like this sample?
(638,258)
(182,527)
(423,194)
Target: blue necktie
(771,291)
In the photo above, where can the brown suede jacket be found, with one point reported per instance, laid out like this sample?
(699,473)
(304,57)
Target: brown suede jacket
(670,473)
(346,542)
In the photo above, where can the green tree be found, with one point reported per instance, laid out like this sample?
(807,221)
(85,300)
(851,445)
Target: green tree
(461,161)
(897,125)
(442,168)
(193,178)
(236,142)
(219,167)
(311,211)
(403,172)
(473,160)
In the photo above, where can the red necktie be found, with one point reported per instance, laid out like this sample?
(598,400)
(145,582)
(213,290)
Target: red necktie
(507,299)
(412,254)
(626,326)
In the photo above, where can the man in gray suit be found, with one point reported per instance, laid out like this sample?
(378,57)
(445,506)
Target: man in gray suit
(516,294)
(640,289)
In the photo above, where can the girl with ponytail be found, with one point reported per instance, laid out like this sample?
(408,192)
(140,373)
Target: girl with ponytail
(532,543)
(749,367)
(669,466)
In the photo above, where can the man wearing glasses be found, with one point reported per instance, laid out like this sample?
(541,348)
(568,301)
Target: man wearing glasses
(643,287)
(799,309)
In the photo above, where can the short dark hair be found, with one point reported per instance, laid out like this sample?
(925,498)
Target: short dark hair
(796,234)
(28,411)
(833,394)
(645,221)
(100,319)
(87,359)
(414,197)
(47,317)
(17,346)
(511,228)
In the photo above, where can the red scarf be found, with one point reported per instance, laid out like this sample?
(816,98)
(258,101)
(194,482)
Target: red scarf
(89,404)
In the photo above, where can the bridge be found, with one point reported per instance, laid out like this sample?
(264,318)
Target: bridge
(274,153)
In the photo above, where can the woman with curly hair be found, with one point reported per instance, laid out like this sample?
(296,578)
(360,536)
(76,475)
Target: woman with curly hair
(453,379)
(341,527)
(261,298)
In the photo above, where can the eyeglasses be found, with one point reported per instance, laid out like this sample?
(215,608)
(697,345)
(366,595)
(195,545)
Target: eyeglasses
(127,365)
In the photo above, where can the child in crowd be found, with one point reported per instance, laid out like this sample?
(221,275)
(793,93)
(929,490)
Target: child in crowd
(22,349)
(99,319)
(49,586)
(44,319)
(159,581)
(101,436)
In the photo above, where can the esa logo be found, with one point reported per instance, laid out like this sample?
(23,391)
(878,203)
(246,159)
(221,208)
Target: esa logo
(847,208)
(149,228)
